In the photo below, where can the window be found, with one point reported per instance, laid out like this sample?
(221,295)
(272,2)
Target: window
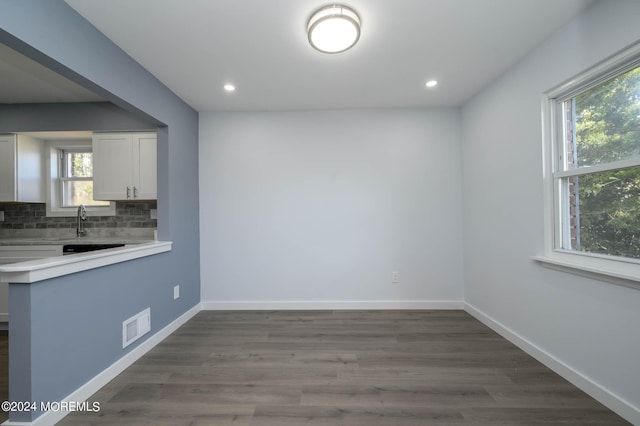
(598,174)
(70,171)
(76,180)
(593,167)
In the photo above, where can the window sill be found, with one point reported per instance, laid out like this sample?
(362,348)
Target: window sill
(597,272)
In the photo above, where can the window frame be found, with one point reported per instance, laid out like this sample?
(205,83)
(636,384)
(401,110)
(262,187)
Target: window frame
(63,178)
(55,179)
(615,269)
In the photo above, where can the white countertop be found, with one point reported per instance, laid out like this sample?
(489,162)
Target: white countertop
(51,267)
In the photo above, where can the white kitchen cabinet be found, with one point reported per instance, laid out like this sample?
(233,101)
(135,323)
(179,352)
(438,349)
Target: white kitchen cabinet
(21,169)
(124,166)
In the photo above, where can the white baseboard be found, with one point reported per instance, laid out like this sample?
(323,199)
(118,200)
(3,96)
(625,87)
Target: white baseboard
(92,386)
(332,305)
(618,405)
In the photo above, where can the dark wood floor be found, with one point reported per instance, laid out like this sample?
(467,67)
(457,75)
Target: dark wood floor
(340,368)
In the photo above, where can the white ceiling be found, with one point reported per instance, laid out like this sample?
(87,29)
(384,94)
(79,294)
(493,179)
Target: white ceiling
(196,46)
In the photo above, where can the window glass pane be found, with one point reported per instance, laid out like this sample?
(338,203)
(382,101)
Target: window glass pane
(76,192)
(78,164)
(607,121)
(604,210)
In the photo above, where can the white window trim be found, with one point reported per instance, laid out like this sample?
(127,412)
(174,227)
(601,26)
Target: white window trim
(53,208)
(616,270)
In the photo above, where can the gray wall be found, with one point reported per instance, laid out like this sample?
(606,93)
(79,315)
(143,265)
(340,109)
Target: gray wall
(590,326)
(322,206)
(52,33)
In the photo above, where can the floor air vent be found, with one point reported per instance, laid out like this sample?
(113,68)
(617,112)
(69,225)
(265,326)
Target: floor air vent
(136,327)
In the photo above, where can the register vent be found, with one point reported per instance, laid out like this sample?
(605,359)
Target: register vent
(136,327)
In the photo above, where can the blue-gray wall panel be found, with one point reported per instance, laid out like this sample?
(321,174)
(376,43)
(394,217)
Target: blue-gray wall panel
(52,33)
(20,348)
(86,333)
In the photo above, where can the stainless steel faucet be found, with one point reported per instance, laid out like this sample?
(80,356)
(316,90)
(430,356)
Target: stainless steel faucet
(82,216)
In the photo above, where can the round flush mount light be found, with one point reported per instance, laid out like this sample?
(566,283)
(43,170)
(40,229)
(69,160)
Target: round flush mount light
(333,29)
(431,83)
(229,88)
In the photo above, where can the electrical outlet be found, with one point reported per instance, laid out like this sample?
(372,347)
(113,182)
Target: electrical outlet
(395,277)
(176,292)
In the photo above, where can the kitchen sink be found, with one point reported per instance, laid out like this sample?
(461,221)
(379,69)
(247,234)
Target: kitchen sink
(83,248)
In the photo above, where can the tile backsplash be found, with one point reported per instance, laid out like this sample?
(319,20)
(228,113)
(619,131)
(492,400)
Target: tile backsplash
(30,216)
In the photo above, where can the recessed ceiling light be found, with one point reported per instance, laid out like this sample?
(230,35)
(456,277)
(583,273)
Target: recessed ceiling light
(333,29)
(229,87)
(431,83)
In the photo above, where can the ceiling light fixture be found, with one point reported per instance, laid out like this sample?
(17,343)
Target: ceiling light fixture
(229,87)
(431,83)
(333,29)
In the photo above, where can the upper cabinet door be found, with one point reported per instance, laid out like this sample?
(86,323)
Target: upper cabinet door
(124,166)
(113,166)
(21,169)
(7,168)
(146,146)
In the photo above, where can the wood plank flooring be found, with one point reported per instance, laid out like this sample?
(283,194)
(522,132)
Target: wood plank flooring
(326,368)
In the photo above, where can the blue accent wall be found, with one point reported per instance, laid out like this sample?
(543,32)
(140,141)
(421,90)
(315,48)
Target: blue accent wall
(66,330)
